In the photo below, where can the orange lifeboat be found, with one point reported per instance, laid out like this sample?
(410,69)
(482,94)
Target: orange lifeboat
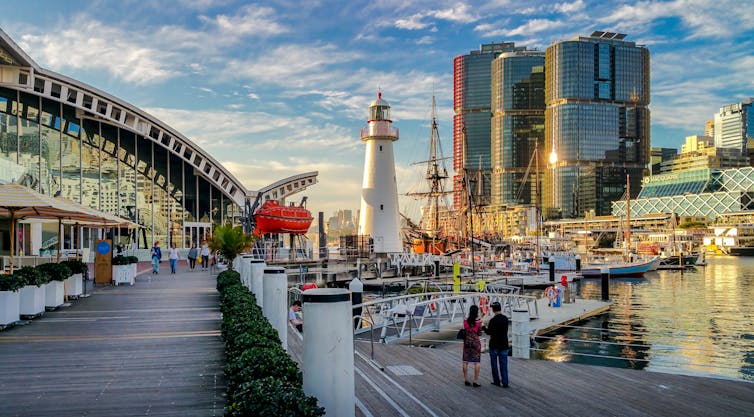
(274,218)
(436,247)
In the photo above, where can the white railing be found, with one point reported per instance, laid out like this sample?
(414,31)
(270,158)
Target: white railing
(401,316)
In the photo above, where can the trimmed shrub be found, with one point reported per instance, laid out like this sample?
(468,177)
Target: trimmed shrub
(55,271)
(132,259)
(121,260)
(11,282)
(32,276)
(262,379)
(76,266)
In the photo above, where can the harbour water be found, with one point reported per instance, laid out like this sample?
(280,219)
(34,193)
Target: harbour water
(699,322)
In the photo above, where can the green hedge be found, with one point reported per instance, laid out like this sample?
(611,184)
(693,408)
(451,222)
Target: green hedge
(56,272)
(262,379)
(32,276)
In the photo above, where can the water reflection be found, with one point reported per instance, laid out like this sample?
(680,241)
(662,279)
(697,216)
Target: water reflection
(699,322)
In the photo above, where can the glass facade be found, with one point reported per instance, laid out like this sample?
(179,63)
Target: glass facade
(518,109)
(597,121)
(471,122)
(48,146)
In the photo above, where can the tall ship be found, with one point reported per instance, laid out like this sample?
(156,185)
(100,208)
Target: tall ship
(430,236)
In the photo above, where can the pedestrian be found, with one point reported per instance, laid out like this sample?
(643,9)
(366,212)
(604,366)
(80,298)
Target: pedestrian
(497,328)
(156,257)
(173,256)
(192,254)
(205,255)
(293,318)
(472,345)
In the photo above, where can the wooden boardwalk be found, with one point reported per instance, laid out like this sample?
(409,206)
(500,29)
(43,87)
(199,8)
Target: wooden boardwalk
(415,381)
(149,349)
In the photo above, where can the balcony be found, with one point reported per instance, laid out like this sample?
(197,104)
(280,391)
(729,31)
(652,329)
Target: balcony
(379,131)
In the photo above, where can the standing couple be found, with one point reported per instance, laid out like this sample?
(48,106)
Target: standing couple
(497,329)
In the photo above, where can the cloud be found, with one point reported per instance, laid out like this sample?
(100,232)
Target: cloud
(251,20)
(573,7)
(89,44)
(460,13)
(527,29)
(425,40)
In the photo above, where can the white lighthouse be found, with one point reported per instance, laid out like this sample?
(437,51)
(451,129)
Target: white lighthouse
(379,192)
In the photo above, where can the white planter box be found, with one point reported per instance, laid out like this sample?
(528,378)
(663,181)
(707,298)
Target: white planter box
(74,285)
(54,293)
(122,275)
(9,308)
(31,300)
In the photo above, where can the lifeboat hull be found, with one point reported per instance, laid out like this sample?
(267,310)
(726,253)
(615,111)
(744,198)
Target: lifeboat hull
(274,218)
(437,247)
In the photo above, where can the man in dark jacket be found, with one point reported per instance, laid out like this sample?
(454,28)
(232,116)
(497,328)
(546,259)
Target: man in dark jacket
(498,331)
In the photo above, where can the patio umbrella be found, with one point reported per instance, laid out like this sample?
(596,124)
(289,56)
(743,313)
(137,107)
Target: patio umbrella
(18,201)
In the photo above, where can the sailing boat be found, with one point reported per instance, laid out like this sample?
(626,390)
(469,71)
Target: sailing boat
(430,237)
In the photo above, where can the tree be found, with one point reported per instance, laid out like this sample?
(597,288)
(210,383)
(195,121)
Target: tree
(230,241)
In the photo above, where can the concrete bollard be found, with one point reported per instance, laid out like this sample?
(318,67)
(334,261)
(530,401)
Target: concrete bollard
(275,294)
(357,289)
(605,275)
(245,270)
(520,332)
(256,268)
(328,350)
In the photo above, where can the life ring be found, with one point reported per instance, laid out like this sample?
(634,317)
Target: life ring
(432,305)
(551,293)
(484,305)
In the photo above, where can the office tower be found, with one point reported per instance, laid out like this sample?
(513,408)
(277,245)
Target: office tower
(596,122)
(734,125)
(518,125)
(660,155)
(471,122)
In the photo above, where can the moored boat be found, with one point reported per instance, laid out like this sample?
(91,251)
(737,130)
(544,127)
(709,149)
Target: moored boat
(620,269)
(274,218)
(741,250)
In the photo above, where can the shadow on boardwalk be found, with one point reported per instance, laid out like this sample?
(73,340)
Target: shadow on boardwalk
(428,382)
(149,349)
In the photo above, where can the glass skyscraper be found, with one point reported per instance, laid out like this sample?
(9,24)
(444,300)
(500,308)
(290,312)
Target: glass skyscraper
(596,121)
(734,125)
(518,125)
(471,122)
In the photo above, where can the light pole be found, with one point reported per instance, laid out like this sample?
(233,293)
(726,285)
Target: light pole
(553,163)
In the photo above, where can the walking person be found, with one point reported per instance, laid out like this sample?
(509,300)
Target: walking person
(173,256)
(472,346)
(192,254)
(156,257)
(205,256)
(497,328)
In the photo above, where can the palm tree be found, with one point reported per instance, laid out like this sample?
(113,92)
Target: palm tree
(230,241)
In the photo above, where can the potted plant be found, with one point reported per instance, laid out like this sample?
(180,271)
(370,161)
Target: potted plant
(10,298)
(229,242)
(122,270)
(55,290)
(32,294)
(133,262)
(74,285)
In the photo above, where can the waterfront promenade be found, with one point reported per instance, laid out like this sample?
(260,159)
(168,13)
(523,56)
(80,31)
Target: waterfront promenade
(413,381)
(149,349)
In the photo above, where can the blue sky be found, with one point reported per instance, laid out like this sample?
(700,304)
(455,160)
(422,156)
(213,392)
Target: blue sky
(277,88)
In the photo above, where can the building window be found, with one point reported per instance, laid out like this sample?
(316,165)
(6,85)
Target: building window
(380,148)
(382,207)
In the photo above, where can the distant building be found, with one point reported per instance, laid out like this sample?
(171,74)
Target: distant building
(734,125)
(709,128)
(660,155)
(699,152)
(471,122)
(703,192)
(597,121)
(518,124)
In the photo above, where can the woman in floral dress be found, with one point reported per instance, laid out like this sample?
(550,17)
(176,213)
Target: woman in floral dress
(472,346)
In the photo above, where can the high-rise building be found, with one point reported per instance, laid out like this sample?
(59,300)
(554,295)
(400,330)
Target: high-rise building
(518,124)
(660,155)
(471,122)
(734,125)
(596,122)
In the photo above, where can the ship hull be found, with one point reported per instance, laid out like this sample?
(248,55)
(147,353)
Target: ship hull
(273,218)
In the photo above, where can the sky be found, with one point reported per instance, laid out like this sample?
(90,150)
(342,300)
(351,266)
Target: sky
(282,87)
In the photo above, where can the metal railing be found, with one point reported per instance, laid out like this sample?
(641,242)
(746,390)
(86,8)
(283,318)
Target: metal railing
(397,317)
